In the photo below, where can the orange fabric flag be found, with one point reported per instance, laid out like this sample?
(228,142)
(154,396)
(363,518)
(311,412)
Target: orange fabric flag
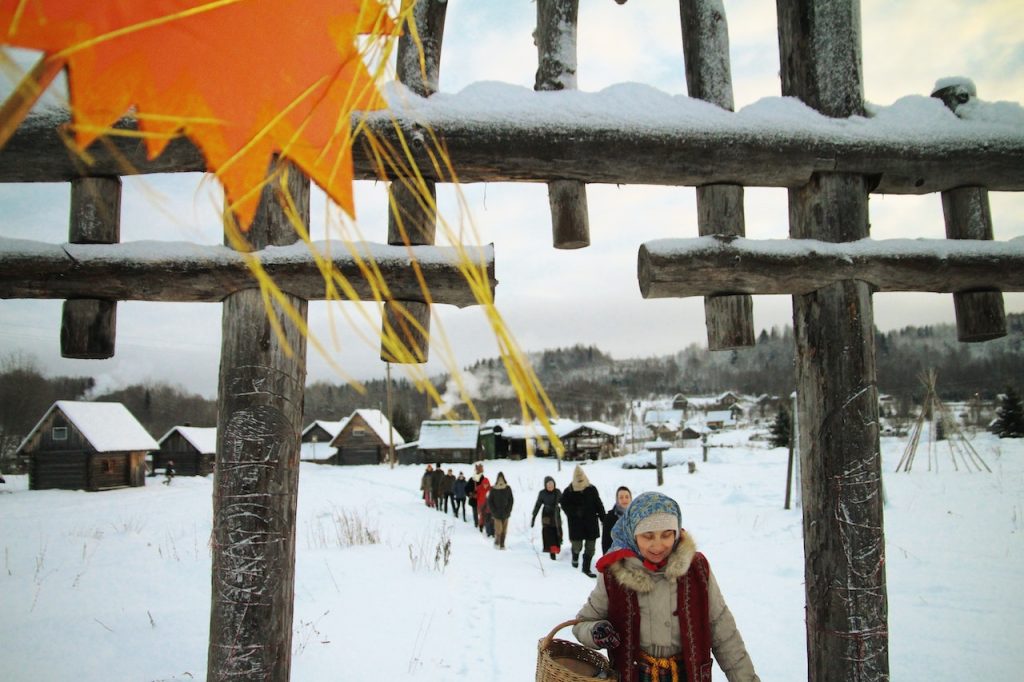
(242,78)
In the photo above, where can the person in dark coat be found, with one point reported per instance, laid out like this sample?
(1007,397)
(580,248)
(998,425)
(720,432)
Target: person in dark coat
(437,488)
(623,496)
(500,501)
(459,496)
(549,505)
(447,488)
(583,508)
(169,472)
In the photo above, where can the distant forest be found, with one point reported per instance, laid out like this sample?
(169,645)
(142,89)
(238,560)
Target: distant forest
(583,382)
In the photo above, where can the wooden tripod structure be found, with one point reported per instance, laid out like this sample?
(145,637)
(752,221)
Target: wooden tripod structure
(829,179)
(937,416)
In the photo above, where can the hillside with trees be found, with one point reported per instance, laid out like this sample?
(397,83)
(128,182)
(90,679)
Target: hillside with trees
(583,382)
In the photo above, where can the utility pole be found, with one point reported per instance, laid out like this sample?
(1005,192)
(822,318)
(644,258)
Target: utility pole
(391,428)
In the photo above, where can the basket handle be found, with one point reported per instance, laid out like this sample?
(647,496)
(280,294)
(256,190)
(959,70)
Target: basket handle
(546,642)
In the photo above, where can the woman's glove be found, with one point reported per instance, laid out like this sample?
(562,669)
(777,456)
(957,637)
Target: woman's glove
(604,635)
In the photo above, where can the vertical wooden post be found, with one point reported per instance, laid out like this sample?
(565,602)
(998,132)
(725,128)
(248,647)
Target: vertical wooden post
(88,326)
(415,211)
(980,315)
(259,422)
(729,318)
(844,542)
(556,70)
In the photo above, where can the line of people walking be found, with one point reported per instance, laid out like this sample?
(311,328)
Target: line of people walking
(491,507)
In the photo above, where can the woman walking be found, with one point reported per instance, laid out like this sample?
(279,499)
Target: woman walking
(657,608)
(499,502)
(623,496)
(549,505)
(584,509)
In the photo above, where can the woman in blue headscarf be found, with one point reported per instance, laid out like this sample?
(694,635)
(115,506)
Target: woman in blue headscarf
(657,607)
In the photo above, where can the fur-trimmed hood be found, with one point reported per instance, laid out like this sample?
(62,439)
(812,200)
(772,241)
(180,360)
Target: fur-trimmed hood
(631,573)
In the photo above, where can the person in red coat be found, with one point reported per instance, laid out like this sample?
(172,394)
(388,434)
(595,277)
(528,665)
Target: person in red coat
(483,486)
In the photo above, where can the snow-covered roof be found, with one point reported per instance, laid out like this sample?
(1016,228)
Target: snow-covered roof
(376,420)
(202,438)
(561,427)
(332,428)
(449,435)
(663,416)
(109,427)
(724,416)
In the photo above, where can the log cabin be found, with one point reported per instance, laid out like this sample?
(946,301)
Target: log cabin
(193,450)
(92,446)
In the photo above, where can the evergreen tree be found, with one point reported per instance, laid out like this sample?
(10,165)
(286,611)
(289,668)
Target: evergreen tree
(1011,416)
(781,429)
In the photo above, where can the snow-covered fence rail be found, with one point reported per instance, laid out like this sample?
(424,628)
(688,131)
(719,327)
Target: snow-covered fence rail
(629,134)
(677,268)
(188,272)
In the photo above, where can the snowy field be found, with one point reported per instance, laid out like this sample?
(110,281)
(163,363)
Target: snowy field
(116,585)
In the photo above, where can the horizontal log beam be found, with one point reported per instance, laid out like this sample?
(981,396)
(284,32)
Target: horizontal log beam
(705,266)
(186,272)
(535,142)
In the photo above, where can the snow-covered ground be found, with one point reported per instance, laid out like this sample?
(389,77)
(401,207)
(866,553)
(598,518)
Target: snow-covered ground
(116,585)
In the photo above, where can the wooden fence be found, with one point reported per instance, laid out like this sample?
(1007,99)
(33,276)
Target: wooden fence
(831,279)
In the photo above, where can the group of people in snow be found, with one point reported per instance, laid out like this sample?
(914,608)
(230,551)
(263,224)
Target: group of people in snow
(491,505)
(656,609)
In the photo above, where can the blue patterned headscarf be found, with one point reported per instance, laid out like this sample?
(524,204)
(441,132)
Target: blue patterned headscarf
(642,506)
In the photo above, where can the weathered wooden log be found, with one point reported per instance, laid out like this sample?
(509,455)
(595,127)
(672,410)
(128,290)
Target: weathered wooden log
(259,408)
(980,315)
(729,319)
(555,38)
(412,217)
(689,152)
(677,268)
(89,325)
(87,328)
(186,272)
(840,454)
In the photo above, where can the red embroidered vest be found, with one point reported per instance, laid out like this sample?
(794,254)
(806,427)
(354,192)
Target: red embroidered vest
(694,623)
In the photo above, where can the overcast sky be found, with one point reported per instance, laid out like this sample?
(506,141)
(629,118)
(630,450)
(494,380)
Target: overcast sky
(553,298)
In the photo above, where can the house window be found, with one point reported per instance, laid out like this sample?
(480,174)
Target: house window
(358,432)
(60,433)
(107,466)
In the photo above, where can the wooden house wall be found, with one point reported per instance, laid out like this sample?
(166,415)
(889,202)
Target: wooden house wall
(188,461)
(449,456)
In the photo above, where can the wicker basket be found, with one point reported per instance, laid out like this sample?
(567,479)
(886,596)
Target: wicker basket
(561,661)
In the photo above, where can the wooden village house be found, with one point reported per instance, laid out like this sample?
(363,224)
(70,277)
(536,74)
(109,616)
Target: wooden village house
(316,440)
(456,442)
(588,440)
(81,445)
(193,450)
(365,439)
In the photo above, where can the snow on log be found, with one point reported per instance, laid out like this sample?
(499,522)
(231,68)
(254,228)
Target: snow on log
(188,272)
(706,266)
(625,134)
